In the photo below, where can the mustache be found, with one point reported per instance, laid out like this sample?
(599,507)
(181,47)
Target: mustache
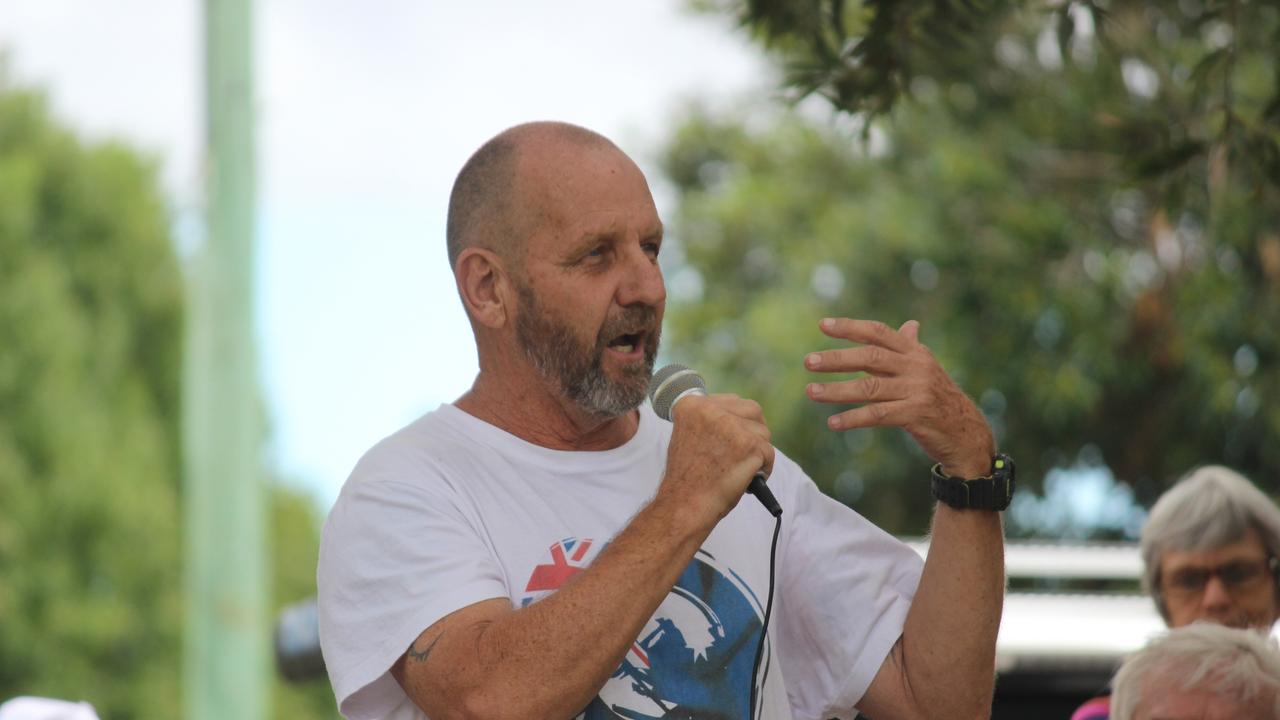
(632,320)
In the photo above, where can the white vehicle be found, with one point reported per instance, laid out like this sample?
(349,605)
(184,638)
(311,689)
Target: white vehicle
(1072,612)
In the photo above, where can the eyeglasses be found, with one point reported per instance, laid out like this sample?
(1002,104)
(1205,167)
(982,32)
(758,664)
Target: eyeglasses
(1239,575)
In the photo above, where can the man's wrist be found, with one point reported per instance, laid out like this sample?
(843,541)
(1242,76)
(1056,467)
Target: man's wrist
(968,472)
(978,466)
(971,460)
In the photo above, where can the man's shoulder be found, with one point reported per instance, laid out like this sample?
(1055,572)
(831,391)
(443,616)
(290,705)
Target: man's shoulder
(415,469)
(424,447)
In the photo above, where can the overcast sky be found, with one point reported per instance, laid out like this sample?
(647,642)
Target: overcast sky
(367,110)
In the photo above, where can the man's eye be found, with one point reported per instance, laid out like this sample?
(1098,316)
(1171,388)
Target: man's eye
(1189,579)
(1241,572)
(652,249)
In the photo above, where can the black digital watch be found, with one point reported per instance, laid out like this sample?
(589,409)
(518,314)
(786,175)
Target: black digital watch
(993,492)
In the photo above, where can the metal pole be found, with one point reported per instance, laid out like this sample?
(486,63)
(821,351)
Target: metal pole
(226,641)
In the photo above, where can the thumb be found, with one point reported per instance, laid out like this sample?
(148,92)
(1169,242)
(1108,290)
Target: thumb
(911,329)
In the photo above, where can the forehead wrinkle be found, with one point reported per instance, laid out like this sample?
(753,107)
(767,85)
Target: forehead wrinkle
(533,207)
(555,194)
(593,229)
(544,203)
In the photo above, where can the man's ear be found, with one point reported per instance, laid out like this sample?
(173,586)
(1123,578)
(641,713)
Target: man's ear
(485,286)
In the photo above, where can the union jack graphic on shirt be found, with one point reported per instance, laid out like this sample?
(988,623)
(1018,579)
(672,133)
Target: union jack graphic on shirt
(568,558)
(693,659)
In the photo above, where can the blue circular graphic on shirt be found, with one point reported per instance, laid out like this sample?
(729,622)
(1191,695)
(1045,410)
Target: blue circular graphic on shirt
(694,657)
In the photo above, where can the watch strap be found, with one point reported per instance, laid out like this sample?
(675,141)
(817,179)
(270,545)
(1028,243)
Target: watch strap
(993,492)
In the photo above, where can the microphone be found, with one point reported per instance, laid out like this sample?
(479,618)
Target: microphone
(674,382)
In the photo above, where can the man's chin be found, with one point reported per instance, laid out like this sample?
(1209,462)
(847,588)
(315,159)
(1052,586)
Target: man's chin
(615,408)
(636,383)
(613,394)
(629,395)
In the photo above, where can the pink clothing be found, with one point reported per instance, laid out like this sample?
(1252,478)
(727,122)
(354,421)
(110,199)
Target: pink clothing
(1098,708)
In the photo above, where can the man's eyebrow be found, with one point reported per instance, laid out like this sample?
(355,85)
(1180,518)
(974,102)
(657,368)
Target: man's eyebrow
(587,240)
(592,237)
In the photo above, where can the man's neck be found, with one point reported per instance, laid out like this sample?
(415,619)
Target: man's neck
(525,405)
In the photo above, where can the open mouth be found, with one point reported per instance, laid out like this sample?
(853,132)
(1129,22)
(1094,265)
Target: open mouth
(627,343)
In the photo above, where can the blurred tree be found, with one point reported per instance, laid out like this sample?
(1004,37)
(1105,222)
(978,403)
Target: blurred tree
(295,529)
(1079,203)
(90,337)
(90,325)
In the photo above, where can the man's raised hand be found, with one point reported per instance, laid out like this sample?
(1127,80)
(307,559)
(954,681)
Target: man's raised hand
(904,387)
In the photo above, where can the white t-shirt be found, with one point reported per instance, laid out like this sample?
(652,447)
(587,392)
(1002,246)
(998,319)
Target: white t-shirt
(451,510)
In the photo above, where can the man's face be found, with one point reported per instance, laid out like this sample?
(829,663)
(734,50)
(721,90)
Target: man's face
(1177,704)
(555,348)
(1231,585)
(591,293)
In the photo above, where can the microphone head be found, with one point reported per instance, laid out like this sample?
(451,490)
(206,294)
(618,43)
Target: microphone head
(669,384)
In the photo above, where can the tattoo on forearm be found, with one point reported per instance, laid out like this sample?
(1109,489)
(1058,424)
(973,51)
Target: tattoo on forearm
(414,654)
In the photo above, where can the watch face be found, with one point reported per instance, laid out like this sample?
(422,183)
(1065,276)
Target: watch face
(1001,465)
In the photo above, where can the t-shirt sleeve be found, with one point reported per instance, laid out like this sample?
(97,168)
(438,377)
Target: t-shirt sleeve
(398,552)
(845,588)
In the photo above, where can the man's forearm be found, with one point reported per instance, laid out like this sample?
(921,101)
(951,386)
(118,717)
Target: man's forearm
(550,658)
(948,643)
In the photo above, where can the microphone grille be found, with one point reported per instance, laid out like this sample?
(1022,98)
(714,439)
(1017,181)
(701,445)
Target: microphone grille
(669,383)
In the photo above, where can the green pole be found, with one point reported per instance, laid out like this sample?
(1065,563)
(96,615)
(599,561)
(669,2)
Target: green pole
(226,670)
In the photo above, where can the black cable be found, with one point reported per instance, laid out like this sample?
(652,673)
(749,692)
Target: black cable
(764,629)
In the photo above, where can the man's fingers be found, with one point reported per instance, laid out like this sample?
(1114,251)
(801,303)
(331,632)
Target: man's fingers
(867,389)
(748,415)
(767,465)
(727,407)
(904,387)
(869,332)
(720,402)
(872,359)
(740,406)
(894,413)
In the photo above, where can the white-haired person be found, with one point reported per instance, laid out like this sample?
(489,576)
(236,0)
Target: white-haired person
(1201,671)
(1209,550)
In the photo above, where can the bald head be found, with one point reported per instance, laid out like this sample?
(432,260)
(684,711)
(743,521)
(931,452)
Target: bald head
(488,208)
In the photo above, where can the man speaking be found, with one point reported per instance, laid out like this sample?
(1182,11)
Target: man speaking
(548,547)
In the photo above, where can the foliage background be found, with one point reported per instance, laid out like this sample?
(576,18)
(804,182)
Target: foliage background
(1077,200)
(91,317)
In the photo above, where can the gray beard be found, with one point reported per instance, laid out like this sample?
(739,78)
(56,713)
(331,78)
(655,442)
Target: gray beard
(552,348)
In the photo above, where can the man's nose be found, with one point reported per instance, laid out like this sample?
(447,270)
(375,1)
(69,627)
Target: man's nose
(1215,593)
(642,282)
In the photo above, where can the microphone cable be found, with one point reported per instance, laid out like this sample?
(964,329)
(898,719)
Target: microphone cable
(666,387)
(764,629)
